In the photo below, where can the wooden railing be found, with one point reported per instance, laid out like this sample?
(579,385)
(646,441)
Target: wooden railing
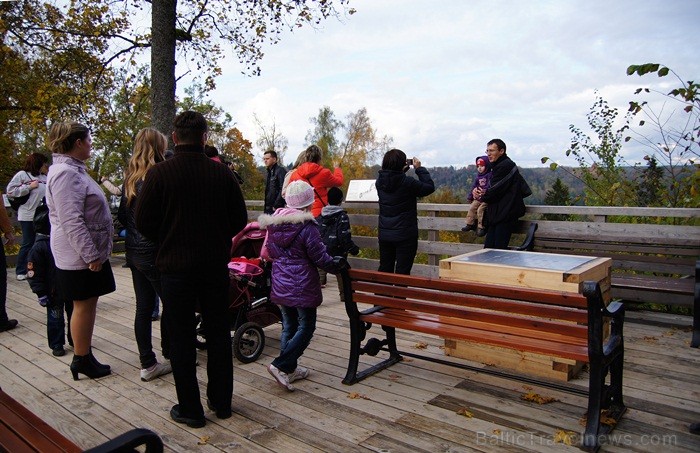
(440,226)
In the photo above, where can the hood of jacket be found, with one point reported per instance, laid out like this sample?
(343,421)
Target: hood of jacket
(284,225)
(390,180)
(331,210)
(308,170)
(488,163)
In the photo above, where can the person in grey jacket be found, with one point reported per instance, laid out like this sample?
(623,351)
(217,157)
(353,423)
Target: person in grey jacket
(31,180)
(81,238)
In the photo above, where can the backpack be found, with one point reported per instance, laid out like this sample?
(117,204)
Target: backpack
(328,227)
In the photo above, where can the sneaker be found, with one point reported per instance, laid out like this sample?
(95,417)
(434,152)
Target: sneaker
(159,369)
(281,377)
(481,232)
(299,374)
(21,277)
(59,351)
(8,325)
(191,422)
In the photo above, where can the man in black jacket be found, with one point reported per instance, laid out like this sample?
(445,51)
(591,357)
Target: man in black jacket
(191,207)
(273,184)
(504,196)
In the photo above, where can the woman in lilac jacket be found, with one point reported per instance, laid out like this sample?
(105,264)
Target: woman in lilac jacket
(81,238)
(295,246)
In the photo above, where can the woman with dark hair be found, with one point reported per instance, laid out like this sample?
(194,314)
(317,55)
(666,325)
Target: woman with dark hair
(398,210)
(81,238)
(31,180)
(319,177)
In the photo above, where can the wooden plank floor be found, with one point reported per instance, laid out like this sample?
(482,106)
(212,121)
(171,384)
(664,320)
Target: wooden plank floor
(412,406)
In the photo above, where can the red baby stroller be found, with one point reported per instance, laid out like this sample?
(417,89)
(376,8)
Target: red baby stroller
(249,296)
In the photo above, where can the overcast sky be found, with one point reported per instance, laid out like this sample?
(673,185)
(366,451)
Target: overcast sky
(443,77)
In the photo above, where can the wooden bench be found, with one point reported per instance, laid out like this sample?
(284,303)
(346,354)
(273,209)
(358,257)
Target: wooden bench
(22,431)
(564,324)
(657,264)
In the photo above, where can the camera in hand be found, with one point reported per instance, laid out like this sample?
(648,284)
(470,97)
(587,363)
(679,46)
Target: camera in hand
(409,162)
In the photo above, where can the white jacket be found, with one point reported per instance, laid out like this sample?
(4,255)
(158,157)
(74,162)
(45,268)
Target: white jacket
(19,186)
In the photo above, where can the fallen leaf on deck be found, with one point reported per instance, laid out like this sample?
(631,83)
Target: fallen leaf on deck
(650,339)
(355,395)
(203,440)
(394,377)
(496,432)
(537,398)
(420,345)
(564,437)
(606,419)
(464,412)
(527,387)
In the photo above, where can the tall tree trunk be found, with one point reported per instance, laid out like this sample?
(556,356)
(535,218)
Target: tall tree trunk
(163,83)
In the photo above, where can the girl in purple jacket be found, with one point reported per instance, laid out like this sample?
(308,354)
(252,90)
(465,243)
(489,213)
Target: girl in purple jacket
(295,246)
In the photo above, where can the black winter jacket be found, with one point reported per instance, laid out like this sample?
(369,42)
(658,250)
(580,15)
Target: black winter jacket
(42,268)
(135,242)
(273,188)
(504,197)
(398,204)
(334,226)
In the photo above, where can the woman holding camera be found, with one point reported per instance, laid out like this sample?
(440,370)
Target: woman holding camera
(398,210)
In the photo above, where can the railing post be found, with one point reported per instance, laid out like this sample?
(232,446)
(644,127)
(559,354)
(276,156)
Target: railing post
(433,235)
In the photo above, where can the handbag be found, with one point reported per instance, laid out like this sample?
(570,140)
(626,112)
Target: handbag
(525,189)
(16,202)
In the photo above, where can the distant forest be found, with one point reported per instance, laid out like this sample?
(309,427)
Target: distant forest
(540,180)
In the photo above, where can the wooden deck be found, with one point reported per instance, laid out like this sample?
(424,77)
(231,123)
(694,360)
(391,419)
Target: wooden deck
(413,406)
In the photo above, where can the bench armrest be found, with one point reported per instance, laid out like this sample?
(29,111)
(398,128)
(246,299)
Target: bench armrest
(529,242)
(129,441)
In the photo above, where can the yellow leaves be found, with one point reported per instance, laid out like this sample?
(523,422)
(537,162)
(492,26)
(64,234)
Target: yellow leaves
(533,397)
(203,440)
(605,419)
(420,345)
(355,395)
(564,437)
(464,412)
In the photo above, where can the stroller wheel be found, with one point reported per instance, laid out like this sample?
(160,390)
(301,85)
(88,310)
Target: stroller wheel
(201,339)
(248,342)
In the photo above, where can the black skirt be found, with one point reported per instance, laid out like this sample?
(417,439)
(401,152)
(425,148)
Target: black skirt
(84,284)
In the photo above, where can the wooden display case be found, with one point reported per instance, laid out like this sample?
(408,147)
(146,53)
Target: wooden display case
(530,270)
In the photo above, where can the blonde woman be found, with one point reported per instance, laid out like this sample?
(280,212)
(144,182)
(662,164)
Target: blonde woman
(149,148)
(81,238)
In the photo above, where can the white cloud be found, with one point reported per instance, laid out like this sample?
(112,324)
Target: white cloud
(444,77)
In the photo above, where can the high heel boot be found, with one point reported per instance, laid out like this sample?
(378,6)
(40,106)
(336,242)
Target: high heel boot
(96,363)
(82,364)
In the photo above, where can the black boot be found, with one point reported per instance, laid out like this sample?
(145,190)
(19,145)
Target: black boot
(96,363)
(82,364)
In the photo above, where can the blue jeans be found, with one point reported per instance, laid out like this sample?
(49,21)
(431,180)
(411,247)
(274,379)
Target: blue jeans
(298,326)
(28,237)
(56,322)
(182,294)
